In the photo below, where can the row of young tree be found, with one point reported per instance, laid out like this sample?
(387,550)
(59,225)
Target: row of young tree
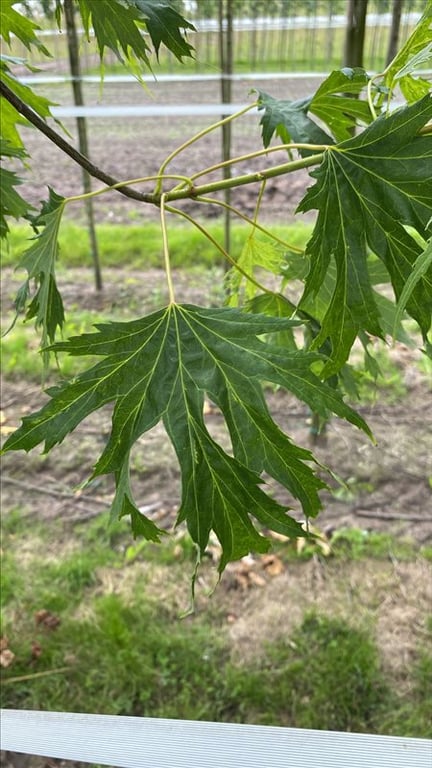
(371,191)
(255,8)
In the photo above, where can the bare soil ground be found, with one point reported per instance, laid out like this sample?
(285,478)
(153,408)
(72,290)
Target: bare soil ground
(389,484)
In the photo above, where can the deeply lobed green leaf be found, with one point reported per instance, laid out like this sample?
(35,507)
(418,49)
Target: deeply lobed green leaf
(341,113)
(120,26)
(116,27)
(256,253)
(369,191)
(289,120)
(46,305)
(11,202)
(161,367)
(164,25)
(14,23)
(331,103)
(415,54)
(9,116)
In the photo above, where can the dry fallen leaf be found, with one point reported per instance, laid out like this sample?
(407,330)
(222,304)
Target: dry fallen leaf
(6,658)
(272,565)
(243,574)
(36,650)
(321,542)
(4,643)
(46,619)
(256,580)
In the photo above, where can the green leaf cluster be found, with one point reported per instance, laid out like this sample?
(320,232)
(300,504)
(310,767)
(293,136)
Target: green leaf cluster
(160,368)
(120,26)
(11,202)
(415,54)
(371,193)
(39,261)
(332,104)
(14,23)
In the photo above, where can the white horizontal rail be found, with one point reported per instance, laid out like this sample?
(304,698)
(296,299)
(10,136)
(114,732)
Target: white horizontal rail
(55,79)
(133,742)
(151,110)
(160,79)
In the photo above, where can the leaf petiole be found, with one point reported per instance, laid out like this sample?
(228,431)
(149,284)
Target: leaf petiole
(254,223)
(141,180)
(217,245)
(369,94)
(198,136)
(166,250)
(259,153)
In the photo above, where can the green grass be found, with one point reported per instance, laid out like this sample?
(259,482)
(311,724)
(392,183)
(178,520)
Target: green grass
(20,349)
(388,383)
(411,715)
(124,650)
(356,543)
(141,246)
(349,544)
(141,249)
(326,676)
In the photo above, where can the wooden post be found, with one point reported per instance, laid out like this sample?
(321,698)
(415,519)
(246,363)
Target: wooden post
(226,64)
(394,30)
(75,70)
(355,33)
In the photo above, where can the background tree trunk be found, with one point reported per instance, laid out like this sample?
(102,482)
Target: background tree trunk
(355,33)
(394,31)
(75,70)
(226,65)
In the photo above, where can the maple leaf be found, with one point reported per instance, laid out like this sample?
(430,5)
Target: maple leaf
(289,120)
(10,117)
(415,54)
(159,368)
(46,305)
(164,24)
(369,191)
(13,23)
(256,253)
(421,268)
(117,27)
(337,110)
(11,202)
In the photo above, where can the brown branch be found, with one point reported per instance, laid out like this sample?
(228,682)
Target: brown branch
(54,492)
(33,675)
(151,197)
(67,148)
(390,516)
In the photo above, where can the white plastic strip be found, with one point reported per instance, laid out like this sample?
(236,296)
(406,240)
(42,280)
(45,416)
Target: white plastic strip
(151,110)
(160,79)
(134,742)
